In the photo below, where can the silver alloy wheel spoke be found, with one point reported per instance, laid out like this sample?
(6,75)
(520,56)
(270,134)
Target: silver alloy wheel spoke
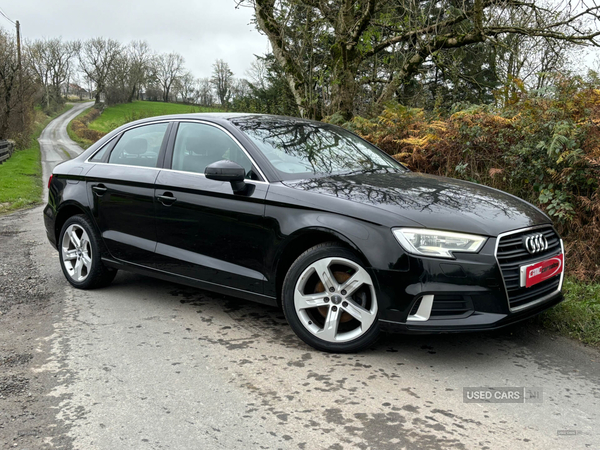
(353,283)
(74,238)
(303,301)
(70,255)
(322,269)
(356,311)
(335,300)
(87,261)
(78,267)
(76,253)
(84,243)
(332,322)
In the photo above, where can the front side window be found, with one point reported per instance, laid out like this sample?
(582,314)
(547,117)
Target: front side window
(198,145)
(139,146)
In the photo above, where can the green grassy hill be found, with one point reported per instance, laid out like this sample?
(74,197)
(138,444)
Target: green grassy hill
(115,116)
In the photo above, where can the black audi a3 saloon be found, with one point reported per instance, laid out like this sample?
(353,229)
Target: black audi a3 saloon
(304,215)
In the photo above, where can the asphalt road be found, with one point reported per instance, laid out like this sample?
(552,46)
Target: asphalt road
(55,143)
(146,364)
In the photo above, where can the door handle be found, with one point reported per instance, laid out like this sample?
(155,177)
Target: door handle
(99,190)
(167,199)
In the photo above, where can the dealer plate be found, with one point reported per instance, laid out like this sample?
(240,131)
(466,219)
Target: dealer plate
(533,274)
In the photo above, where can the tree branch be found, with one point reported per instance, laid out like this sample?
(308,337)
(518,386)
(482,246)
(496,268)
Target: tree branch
(363,22)
(411,35)
(537,32)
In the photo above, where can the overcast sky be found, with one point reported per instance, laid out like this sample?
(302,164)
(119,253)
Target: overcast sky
(200,30)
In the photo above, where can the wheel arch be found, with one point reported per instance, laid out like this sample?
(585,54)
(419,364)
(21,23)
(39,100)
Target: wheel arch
(64,213)
(301,241)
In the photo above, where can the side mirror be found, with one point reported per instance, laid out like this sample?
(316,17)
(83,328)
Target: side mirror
(227,171)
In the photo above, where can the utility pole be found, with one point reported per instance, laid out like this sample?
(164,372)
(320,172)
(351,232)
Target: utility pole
(20,74)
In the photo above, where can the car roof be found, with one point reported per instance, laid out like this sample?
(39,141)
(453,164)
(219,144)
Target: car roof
(231,117)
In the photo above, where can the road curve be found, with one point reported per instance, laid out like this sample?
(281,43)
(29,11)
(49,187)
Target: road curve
(56,145)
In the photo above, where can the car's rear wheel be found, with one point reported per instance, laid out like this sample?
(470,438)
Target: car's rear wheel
(329,300)
(79,253)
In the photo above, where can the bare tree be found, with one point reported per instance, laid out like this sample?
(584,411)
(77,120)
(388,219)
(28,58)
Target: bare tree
(119,79)
(131,70)
(9,102)
(168,67)
(222,80)
(140,56)
(96,59)
(187,88)
(205,92)
(258,74)
(52,62)
(531,59)
(16,100)
(240,87)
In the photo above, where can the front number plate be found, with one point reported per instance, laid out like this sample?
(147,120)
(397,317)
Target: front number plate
(542,271)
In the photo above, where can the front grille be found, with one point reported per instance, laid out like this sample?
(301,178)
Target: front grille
(512,254)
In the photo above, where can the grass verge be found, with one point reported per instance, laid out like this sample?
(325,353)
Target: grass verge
(82,142)
(21,175)
(578,316)
(115,116)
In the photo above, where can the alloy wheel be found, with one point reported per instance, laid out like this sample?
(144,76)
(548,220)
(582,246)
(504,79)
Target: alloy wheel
(334,299)
(76,253)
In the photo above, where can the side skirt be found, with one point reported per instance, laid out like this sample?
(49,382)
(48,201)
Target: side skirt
(220,289)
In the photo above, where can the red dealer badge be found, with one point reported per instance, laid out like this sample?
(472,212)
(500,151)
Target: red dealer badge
(542,271)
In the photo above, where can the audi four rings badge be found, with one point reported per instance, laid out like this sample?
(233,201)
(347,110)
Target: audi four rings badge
(536,243)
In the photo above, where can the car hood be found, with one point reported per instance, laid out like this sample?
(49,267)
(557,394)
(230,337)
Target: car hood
(432,201)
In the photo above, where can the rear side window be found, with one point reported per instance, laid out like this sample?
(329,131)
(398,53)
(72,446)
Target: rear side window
(140,146)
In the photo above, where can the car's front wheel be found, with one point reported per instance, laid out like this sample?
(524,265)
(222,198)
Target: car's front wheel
(79,253)
(329,300)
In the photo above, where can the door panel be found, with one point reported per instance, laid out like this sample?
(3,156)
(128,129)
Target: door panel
(124,210)
(122,192)
(210,234)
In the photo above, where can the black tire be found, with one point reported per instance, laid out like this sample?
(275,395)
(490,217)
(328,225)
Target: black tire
(95,274)
(309,322)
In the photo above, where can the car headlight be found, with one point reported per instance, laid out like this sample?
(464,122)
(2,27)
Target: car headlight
(421,241)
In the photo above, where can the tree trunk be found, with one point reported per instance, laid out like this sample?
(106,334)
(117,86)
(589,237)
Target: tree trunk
(5,118)
(343,92)
(293,74)
(131,95)
(48,97)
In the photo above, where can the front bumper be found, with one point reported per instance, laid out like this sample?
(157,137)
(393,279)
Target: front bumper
(429,295)
(478,321)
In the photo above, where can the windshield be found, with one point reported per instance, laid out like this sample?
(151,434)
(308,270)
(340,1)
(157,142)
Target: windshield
(305,149)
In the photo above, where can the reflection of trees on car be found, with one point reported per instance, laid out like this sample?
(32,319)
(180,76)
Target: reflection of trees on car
(304,147)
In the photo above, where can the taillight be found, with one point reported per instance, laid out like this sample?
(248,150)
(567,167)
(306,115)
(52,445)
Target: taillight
(50,181)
